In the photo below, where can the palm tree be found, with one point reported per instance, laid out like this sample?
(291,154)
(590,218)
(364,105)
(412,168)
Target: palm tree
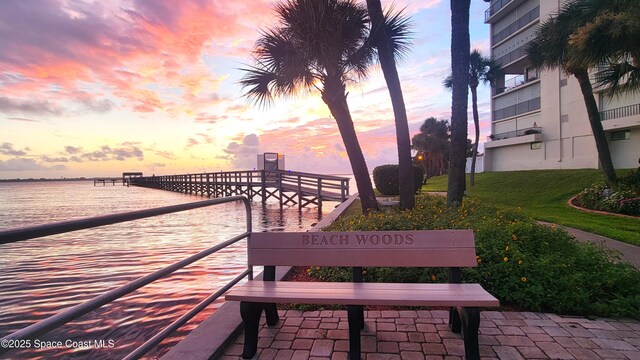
(319,44)
(460,47)
(433,143)
(383,41)
(481,68)
(551,49)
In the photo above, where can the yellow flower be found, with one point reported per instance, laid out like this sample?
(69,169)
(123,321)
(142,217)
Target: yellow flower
(523,279)
(519,262)
(507,248)
(505,259)
(514,237)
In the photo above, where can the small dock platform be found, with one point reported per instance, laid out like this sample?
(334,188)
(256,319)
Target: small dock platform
(105,181)
(125,180)
(288,187)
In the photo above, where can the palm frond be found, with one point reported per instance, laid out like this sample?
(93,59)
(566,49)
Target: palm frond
(260,84)
(278,53)
(398,29)
(448,82)
(549,48)
(618,78)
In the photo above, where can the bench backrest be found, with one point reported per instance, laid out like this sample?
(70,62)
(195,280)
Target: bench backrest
(420,248)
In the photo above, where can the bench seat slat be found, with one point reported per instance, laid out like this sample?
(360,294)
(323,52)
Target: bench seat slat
(364,294)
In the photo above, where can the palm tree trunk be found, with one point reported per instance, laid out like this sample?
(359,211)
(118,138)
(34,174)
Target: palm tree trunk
(596,125)
(388,64)
(460,47)
(335,97)
(476,123)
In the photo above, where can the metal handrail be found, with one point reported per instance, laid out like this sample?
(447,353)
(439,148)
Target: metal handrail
(74,312)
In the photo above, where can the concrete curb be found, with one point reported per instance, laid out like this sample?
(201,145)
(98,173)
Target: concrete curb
(212,336)
(570,203)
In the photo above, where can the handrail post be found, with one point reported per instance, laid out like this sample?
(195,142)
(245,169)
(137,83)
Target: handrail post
(264,186)
(319,184)
(279,180)
(299,192)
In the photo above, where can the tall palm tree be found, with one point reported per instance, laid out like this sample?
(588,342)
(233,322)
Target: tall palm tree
(386,53)
(481,69)
(460,47)
(319,44)
(551,49)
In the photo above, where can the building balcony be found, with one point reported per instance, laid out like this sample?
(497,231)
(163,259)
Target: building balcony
(512,56)
(517,109)
(516,137)
(495,7)
(621,117)
(516,82)
(522,22)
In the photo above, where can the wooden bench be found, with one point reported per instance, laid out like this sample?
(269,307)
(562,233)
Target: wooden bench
(436,248)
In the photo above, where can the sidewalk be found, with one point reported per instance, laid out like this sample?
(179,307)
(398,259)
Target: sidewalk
(424,334)
(628,253)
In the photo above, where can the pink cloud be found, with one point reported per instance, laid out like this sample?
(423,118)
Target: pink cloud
(58,43)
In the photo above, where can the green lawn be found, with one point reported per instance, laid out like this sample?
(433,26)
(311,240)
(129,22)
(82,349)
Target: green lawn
(543,195)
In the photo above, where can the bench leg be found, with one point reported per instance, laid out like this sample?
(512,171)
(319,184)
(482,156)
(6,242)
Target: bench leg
(270,310)
(454,320)
(271,313)
(250,313)
(354,314)
(470,318)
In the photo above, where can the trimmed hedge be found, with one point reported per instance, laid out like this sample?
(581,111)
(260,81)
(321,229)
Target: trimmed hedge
(387,178)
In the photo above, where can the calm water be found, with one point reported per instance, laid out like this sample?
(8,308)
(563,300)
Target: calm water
(39,277)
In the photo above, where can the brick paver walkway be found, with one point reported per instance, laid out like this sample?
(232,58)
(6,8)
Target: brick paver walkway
(426,335)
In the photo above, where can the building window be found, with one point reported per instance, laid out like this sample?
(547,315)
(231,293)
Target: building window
(532,74)
(563,82)
(620,135)
(564,118)
(536,145)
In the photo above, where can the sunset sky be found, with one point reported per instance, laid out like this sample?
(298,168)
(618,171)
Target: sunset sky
(95,88)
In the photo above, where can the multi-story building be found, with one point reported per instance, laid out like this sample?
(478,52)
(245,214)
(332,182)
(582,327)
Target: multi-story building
(539,119)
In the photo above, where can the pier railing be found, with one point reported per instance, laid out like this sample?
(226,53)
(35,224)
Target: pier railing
(286,186)
(74,312)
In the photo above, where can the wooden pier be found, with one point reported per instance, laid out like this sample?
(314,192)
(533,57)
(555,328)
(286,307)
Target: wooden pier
(288,187)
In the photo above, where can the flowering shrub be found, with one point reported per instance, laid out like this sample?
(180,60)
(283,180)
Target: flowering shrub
(617,198)
(630,206)
(530,266)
